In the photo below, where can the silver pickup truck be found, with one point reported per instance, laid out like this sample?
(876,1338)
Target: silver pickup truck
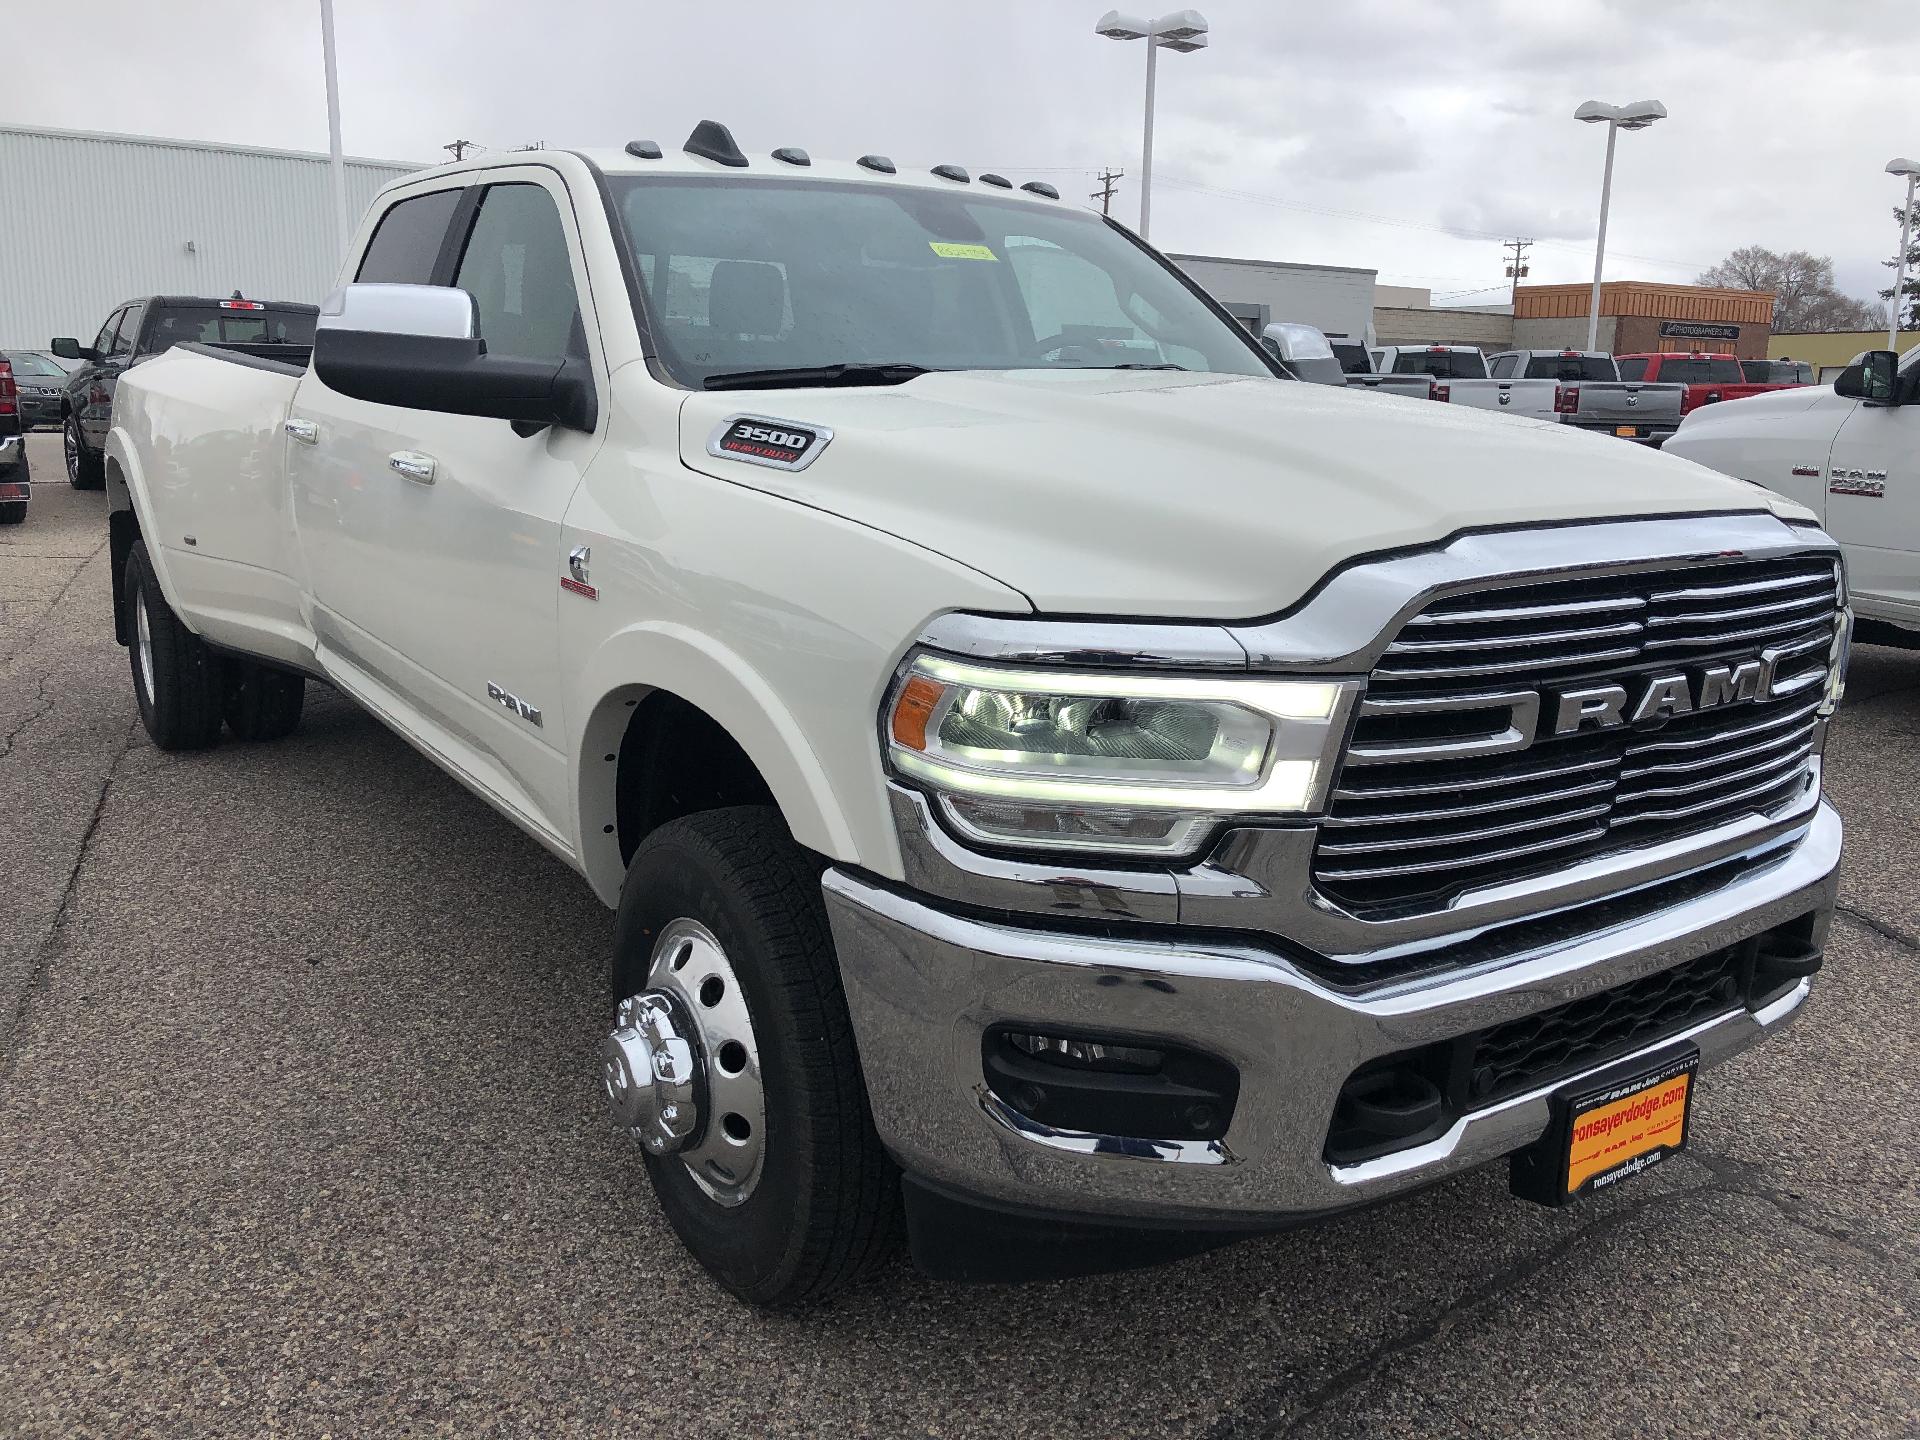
(1588,393)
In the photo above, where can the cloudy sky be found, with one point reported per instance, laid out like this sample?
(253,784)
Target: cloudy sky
(1407,137)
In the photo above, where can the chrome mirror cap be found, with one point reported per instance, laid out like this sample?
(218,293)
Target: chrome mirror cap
(436,311)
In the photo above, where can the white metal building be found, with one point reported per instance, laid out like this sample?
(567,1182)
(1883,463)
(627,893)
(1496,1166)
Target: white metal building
(91,220)
(1337,298)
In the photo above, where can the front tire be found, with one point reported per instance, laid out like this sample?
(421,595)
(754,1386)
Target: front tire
(85,469)
(177,680)
(721,908)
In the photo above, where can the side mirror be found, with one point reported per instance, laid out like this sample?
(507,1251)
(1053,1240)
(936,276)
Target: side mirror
(1873,377)
(1305,351)
(68,348)
(419,347)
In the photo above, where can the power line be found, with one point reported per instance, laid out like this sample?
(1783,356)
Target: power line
(1107,191)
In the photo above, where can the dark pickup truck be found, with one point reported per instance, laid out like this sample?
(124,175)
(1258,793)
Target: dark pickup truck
(141,329)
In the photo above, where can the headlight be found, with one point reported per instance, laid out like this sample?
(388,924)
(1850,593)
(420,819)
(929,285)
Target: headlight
(1087,760)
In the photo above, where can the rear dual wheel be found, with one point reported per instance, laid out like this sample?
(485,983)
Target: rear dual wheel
(186,690)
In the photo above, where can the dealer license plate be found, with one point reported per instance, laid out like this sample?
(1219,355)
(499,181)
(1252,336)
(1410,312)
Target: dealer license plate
(1611,1128)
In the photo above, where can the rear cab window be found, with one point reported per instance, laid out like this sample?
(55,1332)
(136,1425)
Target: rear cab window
(1442,364)
(1571,367)
(234,322)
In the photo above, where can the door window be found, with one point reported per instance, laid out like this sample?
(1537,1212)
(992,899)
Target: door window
(103,342)
(407,241)
(520,275)
(124,333)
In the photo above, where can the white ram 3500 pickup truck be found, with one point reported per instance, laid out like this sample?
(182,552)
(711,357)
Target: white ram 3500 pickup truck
(1043,761)
(1850,452)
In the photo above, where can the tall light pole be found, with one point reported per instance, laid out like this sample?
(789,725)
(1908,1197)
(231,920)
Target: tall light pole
(1183,31)
(334,160)
(1910,169)
(1637,116)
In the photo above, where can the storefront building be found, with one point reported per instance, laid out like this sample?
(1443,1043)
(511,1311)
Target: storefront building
(1637,317)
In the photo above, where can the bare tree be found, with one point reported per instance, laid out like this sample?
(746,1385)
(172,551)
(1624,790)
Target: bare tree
(1805,296)
(1909,292)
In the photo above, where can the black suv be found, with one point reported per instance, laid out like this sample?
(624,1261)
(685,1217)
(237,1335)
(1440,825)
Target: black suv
(141,329)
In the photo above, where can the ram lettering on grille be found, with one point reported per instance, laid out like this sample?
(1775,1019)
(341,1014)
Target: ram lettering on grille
(1510,731)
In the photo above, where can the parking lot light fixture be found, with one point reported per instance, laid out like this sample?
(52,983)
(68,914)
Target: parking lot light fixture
(1635,116)
(1910,169)
(1183,32)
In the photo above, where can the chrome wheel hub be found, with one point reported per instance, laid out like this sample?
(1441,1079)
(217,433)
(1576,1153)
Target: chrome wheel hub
(682,1068)
(70,443)
(647,1069)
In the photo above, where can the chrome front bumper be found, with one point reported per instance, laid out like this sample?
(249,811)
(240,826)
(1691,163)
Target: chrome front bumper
(924,985)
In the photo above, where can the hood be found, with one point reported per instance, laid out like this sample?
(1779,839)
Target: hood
(1155,493)
(1745,408)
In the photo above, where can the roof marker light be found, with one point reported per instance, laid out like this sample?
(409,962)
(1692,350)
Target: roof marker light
(644,149)
(952,172)
(1000,180)
(793,155)
(876,162)
(1040,187)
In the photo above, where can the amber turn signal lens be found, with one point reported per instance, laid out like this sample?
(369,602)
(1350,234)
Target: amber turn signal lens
(914,709)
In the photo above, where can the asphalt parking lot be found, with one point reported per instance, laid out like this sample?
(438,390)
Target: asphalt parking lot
(299,1135)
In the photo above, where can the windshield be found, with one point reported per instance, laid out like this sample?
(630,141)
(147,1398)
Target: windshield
(1571,367)
(1442,364)
(175,324)
(25,362)
(761,275)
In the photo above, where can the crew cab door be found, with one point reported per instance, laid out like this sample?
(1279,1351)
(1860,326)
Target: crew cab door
(432,540)
(1873,496)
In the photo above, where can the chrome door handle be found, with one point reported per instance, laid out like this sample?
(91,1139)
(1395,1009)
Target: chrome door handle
(413,465)
(305,431)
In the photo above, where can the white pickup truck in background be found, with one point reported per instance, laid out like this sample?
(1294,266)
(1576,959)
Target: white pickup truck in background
(1049,767)
(1573,387)
(1849,452)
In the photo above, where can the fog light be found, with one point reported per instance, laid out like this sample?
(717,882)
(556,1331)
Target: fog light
(1109,1085)
(1093,1054)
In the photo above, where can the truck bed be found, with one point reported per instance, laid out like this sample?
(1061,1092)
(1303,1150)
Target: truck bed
(288,359)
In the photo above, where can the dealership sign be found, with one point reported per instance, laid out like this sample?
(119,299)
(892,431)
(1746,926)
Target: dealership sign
(1689,330)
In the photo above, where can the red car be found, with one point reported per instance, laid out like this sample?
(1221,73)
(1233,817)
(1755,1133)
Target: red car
(1708,378)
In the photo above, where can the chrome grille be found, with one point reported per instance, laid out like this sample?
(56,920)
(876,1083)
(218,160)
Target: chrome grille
(1442,790)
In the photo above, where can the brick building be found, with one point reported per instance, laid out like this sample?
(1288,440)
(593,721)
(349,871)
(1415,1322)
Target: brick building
(1638,317)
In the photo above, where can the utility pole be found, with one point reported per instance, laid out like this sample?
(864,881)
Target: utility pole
(458,149)
(1107,192)
(1516,265)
